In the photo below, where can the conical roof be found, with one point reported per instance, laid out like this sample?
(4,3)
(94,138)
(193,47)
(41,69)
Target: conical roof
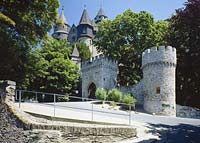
(85,18)
(75,52)
(62,16)
(101,12)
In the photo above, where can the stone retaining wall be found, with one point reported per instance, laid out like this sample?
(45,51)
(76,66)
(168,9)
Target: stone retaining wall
(187,112)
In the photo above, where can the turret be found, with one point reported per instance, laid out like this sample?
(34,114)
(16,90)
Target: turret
(159,65)
(61,29)
(100,16)
(85,27)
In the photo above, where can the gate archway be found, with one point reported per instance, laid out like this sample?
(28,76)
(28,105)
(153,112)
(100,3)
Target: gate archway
(92,90)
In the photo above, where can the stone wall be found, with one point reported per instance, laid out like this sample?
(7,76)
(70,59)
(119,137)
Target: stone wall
(187,112)
(100,70)
(136,90)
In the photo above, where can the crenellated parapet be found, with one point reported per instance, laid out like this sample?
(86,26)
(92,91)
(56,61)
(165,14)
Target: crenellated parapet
(99,61)
(159,55)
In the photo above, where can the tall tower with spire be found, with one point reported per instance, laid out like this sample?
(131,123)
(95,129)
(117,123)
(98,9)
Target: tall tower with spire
(61,29)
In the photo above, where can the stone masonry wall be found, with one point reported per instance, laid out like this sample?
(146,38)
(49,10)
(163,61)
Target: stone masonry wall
(187,112)
(101,71)
(136,90)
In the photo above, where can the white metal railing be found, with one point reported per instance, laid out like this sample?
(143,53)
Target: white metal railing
(52,100)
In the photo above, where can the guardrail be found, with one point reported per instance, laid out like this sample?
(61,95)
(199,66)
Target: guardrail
(52,99)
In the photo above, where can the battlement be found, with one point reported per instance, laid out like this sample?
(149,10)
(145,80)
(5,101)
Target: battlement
(159,54)
(98,61)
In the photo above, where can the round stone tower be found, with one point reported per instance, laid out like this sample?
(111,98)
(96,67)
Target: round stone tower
(159,65)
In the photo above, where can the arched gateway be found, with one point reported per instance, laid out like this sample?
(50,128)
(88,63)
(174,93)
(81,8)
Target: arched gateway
(91,90)
(98,72)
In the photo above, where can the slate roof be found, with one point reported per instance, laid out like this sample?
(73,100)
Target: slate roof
(101,12)
(75,52)
(85,18)
(62,16)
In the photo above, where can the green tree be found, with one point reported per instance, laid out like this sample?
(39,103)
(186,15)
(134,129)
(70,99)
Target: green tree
(23,23)
(84,51)
(50,68)
(184,34)
(124,39)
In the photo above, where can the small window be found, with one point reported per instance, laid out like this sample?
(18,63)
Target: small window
(84,30)
(158,90)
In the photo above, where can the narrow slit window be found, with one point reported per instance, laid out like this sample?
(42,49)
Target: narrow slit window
(158,90)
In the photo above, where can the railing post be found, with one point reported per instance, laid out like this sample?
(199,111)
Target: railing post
(92,112)
(129,114)
(20,96)
(54,101)
(15,95)
(36,98)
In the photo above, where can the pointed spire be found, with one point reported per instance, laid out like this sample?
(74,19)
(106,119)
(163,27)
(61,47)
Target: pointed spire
(101,12)
(100,16)
(62,16)
(85,17)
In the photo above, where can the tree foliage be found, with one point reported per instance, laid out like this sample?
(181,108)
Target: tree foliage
(23,23)
(185,36)
(124,39)
(50,69)
(84,51)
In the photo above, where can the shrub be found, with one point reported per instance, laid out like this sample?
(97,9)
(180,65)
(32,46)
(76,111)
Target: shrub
(114,95)
(101,94)
(64,98)
(128,99)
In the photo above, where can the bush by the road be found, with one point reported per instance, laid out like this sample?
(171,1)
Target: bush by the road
(101,94)
(114,95)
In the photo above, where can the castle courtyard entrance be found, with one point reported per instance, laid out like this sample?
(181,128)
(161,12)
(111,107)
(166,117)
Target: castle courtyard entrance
(92,90)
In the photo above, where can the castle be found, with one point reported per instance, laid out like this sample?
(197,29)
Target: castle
(155,92)
(84,32)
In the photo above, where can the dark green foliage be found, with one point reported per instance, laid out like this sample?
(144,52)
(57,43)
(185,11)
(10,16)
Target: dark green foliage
(184,34)
(50,69)
(126,37)
(114,95)
(101,94)
(84,51)
(23,23)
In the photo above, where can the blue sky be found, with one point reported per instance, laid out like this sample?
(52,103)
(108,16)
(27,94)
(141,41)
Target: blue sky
(161,9)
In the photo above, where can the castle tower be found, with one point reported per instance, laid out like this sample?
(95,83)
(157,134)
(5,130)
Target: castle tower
(85,28)
(159,65)
(98,72)
(61,29)
(100,16)
(85,32)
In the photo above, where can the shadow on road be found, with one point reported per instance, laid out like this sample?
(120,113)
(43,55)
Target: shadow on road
(181,133)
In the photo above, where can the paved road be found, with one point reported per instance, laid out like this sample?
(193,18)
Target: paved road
(168,129)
